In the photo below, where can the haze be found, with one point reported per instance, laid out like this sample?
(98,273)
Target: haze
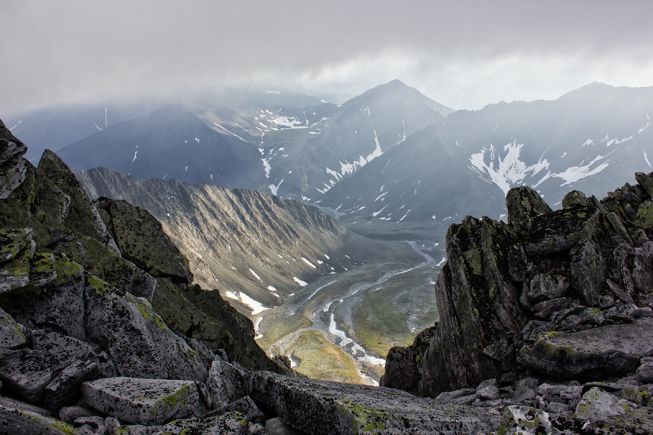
(462,54)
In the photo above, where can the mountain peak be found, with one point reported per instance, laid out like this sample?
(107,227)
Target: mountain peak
(398,89)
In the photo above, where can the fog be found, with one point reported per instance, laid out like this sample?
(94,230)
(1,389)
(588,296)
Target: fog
(463,54)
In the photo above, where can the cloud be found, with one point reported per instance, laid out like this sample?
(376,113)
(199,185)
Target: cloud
(463,53)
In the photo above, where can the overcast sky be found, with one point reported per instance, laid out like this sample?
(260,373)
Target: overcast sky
(464,54)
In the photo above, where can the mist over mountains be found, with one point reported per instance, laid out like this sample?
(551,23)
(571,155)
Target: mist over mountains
(390,154)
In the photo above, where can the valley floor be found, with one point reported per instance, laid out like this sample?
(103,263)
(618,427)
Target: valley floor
(341,326)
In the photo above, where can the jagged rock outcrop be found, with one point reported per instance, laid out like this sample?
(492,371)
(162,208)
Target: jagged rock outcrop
(102,331)
(564,296)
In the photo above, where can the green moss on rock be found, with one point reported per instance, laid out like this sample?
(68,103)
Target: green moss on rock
(365,420)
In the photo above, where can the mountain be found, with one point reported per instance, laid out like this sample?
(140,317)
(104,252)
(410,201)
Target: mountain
(310,159)
(282,142)
(102,331)
(57,126)
(170,142)
(257,248)
(586,139)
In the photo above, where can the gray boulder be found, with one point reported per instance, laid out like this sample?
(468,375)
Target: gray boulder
(71,413)
(646,182)
(545,286)
(28,371)
(12,334)
(574,198)
(525,420)
(328,407)
(595,353)
(599,409)
(524,204)
(143,401)
(21,419)
(225,383)
(487,390)
(17,249)
(80,215)
(588,272)
(276,426)
(12,165)
(64,388)
(645,370)
(139,342)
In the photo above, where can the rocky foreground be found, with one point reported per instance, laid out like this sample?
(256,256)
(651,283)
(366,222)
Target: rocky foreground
(551,311)
(102,332)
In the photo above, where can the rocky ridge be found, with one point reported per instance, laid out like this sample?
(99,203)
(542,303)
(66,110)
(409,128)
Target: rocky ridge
(243,242)
(551,310)
(102,332)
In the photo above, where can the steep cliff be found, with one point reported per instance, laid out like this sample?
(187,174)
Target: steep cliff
(562,295)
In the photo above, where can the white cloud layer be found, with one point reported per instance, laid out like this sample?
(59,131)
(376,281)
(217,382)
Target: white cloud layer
(464,54)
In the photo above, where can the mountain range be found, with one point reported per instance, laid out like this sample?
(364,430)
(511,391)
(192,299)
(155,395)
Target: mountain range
(390,154)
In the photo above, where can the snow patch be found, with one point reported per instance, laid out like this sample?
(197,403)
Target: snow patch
(255,275)
(255,306)
(505,171)
(309,263)
(299,281)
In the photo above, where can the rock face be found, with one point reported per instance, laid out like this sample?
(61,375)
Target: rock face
(143,401)
(101,326)
(563,295)
(225,232)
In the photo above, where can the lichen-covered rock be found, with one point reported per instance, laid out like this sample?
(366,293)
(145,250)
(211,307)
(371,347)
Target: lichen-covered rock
(525,420)
(203,315)
(546,286)
(276,426)
(583,277)
(12,334)
(17,249)
(141,240)
(102,262)
(138,340)
(402,365)
(561,230)
(71,413)
(479,309)
(328,407)
(64,388)
(225,383)
(487,389)
(644,217)
(247,407)
(232,422)
(523,205)
(590,354)
(186,308)
(59,303)
(143,401)
(80,215)
(646,182)
(27,372)
(645,370)
(22,419)
(600,410)
(588,272)
(573,199)
(12,165)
